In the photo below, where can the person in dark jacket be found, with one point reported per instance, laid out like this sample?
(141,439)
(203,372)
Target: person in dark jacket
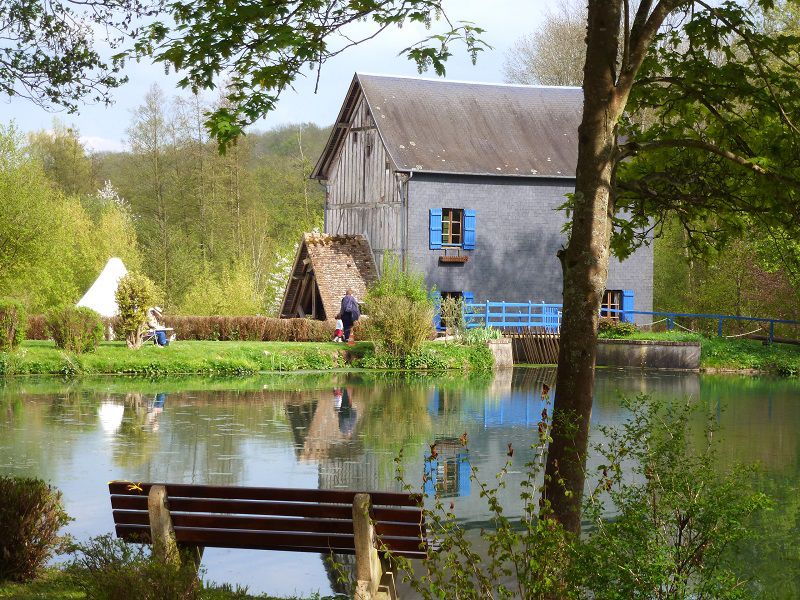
(350,313)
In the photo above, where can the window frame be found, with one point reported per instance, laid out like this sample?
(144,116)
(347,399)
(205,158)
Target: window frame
(448,220)
(607,304)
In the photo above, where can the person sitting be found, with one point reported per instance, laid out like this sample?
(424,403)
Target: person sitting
(154,316)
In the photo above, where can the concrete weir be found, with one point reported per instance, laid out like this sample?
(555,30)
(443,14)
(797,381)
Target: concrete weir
(649,354)
(502,353)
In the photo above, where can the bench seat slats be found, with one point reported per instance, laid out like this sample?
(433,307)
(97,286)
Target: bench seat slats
(261,493)
(249,507)
(253,540)
(133,517)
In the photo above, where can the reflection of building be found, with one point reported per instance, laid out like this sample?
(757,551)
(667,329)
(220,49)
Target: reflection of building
(448,474)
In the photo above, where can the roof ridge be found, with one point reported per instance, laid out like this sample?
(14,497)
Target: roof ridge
(469,82)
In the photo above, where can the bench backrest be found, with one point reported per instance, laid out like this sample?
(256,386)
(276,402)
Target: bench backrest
(297,520)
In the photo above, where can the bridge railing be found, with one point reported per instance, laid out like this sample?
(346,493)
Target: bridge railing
(507,315)
(541,315)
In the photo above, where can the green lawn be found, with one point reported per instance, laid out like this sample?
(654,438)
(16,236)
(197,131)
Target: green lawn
(56,585)
(731,353)
(231,358)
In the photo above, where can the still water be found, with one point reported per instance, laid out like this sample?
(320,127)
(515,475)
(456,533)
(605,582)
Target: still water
(344,431)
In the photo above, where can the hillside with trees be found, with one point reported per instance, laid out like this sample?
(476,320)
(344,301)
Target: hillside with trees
(216,232)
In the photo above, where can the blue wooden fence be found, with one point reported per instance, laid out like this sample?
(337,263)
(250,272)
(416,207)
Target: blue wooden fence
(507,315)
(511,315)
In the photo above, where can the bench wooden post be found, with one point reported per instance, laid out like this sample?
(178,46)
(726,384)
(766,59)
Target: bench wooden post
(162,535)
(371,581)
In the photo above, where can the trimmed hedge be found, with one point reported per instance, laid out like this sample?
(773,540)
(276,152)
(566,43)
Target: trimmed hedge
(250,328)
(12,324)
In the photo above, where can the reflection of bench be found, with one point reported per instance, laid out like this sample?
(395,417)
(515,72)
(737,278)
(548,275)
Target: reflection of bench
(192,517)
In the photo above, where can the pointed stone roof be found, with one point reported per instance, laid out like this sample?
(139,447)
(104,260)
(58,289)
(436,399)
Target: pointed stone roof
(324,268)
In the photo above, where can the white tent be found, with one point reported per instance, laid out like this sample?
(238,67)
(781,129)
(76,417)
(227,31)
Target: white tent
(100,297)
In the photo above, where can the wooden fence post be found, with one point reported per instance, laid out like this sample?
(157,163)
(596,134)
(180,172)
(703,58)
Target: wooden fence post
(162,535)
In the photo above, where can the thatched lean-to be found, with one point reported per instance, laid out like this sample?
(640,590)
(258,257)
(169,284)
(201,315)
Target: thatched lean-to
(324,268)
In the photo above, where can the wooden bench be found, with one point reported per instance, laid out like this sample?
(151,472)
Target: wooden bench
(189,518)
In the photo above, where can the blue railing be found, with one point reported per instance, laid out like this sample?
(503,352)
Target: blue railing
(509,315)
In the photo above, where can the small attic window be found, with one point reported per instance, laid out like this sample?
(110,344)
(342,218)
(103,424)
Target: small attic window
(354,137)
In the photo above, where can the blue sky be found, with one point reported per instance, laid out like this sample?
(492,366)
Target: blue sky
(104,128)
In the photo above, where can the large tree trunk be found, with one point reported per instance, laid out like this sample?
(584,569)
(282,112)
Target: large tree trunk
(585,266)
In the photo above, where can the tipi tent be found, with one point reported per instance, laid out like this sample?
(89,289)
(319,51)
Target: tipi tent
(100,297)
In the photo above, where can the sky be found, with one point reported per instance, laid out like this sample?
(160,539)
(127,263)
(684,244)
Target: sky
(104,128)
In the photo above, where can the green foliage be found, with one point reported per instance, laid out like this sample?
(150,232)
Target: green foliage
(676,514)
(52,247)
(400,310)
(230,292)
(135,294)
(481,335)
(106,568)
(31,515)
(664,519)
(614,328)
(451,313)
(13,322)
(75,329)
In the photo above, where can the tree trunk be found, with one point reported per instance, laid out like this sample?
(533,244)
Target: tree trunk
(585,266)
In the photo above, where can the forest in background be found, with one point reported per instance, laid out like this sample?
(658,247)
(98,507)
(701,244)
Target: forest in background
(217,233)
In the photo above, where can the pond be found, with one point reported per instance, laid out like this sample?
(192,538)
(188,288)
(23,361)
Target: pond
(338,430)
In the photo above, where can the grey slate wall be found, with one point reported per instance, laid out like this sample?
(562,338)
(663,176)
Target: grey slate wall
(518,234)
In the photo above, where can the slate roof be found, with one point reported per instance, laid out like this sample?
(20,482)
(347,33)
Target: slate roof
(338,262)
(442,126)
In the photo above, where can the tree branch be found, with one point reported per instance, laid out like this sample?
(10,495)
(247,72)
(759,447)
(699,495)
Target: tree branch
(634,148)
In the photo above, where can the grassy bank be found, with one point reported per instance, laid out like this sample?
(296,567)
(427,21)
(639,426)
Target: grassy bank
(232,358)
(55,584)
(731,354)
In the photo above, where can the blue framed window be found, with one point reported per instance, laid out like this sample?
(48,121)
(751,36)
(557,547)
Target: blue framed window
(452,228)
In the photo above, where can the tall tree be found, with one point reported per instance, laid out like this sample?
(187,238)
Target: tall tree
(553,54)
(64,159)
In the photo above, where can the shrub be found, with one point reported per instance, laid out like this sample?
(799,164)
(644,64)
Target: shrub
(12,324)
(451,312)
(400,310)
(399,326)
(135,294)
(613,328)
(75,328)
(106,568)
(31,514)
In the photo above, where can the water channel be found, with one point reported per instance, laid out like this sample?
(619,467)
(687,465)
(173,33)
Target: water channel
(343,431)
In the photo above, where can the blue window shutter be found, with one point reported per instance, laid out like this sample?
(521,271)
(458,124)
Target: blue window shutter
(431,471)
(436,229)
(469,229)
(468,297)
(627,304)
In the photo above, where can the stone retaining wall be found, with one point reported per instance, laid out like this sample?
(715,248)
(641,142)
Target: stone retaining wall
(649,354)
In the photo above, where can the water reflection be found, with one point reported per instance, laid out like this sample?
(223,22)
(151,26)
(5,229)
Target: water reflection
(344,431)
